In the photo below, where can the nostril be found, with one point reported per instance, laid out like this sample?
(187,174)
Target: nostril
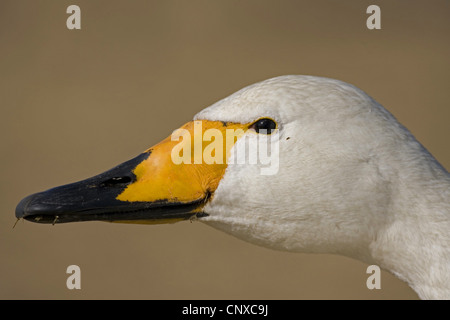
(116,181)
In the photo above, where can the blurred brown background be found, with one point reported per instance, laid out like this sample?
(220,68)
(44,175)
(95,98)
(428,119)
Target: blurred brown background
(75,103)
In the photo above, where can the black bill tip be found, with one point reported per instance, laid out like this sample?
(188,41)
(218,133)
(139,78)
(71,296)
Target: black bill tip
(21,209)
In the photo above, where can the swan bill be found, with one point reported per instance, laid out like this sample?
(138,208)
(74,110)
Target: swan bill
(151,188)
(95,199)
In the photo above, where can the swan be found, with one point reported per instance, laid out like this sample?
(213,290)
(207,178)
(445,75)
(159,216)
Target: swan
(350,180)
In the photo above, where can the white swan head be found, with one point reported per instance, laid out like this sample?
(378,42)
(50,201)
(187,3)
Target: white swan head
(339,185)
(328,192)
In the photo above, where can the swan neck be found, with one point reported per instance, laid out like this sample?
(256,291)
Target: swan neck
(414,243)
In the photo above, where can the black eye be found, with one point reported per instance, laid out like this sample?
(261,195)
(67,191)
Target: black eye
(264,125)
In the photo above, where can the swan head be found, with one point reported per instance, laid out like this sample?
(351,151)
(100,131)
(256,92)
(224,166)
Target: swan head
(325,184)
(328,187)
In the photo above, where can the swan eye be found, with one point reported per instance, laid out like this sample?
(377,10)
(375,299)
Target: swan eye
(264,125)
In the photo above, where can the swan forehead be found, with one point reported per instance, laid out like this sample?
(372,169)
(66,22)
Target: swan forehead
(286,98)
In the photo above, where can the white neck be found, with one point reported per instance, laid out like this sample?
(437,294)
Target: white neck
(414,243)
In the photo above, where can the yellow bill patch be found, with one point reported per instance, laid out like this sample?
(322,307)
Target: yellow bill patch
(186,166)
